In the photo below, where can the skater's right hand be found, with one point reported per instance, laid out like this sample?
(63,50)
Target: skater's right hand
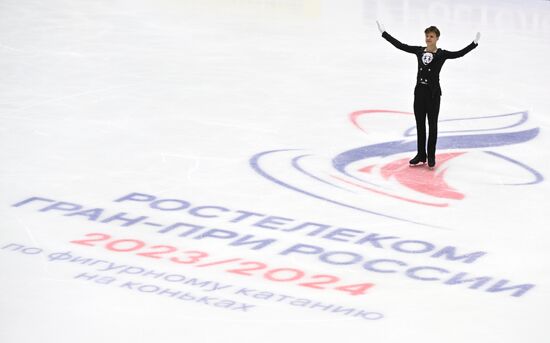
(380,27)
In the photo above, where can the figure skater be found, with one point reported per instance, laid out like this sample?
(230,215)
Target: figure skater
(427,93)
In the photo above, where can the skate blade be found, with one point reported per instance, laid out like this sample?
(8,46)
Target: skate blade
(416,165)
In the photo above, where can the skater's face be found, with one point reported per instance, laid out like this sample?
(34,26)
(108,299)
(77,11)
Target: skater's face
(431,38)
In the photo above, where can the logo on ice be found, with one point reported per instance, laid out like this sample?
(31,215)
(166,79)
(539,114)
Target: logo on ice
(376,178)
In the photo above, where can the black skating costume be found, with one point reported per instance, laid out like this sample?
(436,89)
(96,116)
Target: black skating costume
(427,93)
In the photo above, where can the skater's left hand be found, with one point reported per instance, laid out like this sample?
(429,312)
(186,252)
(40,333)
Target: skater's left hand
(478,35)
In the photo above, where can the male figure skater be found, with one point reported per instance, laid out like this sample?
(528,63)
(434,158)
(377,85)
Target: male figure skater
(427,93)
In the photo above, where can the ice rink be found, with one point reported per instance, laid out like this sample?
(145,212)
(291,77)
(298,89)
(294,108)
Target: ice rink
(237,171)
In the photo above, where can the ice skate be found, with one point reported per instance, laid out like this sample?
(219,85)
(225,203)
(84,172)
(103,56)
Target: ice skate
(431,162)
(417,160)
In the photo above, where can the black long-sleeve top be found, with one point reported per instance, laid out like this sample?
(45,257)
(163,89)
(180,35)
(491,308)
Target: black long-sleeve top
(429,64)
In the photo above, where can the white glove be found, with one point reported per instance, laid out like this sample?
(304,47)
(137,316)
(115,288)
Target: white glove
(478,35)
(380,27)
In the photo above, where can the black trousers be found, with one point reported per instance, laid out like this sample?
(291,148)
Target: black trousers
(426,104)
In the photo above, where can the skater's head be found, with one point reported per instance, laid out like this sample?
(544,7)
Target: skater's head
(432,35)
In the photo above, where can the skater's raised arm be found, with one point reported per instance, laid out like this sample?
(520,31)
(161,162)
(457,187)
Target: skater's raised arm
(460,53)
(395,42)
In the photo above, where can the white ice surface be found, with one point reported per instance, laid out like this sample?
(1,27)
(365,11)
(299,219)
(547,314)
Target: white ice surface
(173,98)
